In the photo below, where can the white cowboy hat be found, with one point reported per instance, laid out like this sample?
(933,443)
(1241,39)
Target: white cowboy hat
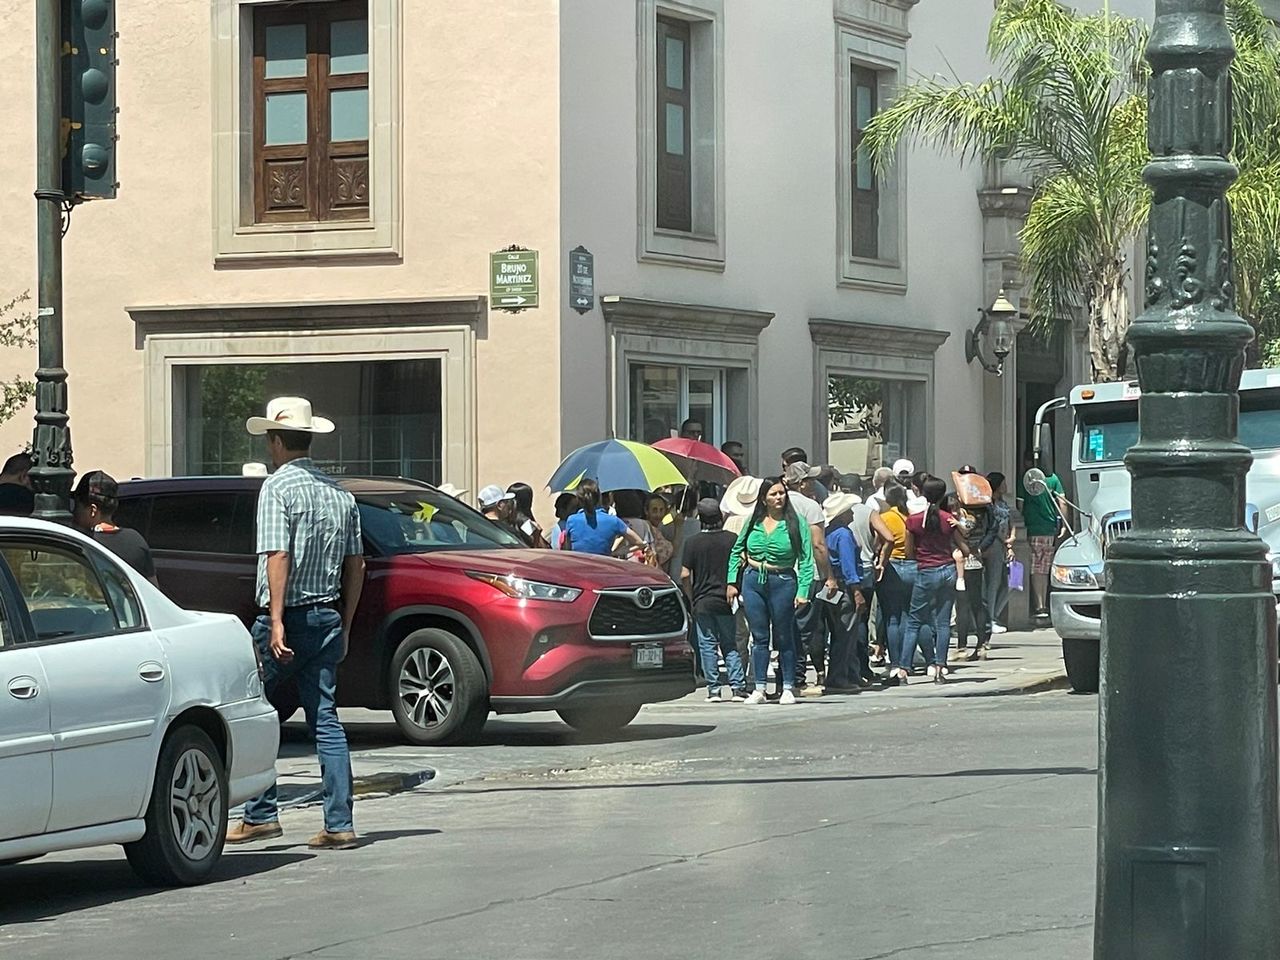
(288,413)
(837,504)
(253,470)
(449,490)
(740,496)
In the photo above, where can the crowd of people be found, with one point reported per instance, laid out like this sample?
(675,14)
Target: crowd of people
(809,572)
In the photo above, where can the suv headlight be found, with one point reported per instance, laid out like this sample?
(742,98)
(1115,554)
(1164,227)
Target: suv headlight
(519,588)
(1074,578)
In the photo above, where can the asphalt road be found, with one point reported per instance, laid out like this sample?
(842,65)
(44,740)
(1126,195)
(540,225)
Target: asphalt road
(861,829)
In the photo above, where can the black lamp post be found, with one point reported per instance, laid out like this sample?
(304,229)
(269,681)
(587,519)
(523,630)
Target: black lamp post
(1188,820)
(997,324)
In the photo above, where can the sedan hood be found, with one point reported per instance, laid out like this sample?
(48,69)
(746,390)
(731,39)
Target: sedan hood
(550,566)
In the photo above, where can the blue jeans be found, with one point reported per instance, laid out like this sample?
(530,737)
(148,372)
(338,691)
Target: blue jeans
(717,635)
(860,663)
(895,599)
(932,598)
(771,604)
(811,636)
(314,634)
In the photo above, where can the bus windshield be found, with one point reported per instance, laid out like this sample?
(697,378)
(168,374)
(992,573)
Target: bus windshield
(1107,432)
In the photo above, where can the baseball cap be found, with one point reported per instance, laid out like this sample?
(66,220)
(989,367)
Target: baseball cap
(709,510)
(798,471)
(966,469)
(492,495)
(97,486)
(903,468)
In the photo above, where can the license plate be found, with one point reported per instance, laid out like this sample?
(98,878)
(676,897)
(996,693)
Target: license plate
(647,656)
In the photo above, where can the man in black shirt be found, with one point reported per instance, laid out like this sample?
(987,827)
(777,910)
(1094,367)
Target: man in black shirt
(705,571)
(16,498)
(94,508)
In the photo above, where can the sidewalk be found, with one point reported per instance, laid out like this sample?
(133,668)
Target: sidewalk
(1020,662)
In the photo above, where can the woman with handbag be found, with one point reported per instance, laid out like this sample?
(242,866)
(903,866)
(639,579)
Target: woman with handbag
(772,554)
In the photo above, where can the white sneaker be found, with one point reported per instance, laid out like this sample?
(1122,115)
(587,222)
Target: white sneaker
(931,672)
(754,697)
(999,628)
(787,697)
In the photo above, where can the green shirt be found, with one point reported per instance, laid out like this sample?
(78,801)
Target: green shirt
(775,550)
(1041,513)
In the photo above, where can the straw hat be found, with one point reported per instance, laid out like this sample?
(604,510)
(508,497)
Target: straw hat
(289,413)
(837,504)
(740,496)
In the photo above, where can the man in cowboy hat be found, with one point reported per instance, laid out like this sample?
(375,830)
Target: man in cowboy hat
(310,573)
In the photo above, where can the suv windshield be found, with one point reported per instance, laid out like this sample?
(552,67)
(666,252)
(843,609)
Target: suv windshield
(424,520)
(1106,434)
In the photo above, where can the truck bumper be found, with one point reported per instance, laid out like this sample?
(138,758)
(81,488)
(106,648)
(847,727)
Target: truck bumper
(1077,614)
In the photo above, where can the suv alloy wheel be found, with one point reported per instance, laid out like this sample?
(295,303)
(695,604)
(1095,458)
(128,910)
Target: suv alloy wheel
(437,689)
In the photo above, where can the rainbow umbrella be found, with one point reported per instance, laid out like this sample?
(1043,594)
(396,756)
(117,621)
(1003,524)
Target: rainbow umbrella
(617,465)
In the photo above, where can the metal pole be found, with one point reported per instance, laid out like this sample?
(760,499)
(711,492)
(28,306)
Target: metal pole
(51,471)
(1188,820)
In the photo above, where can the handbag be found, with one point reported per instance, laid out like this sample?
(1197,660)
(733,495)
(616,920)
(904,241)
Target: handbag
(1017,575)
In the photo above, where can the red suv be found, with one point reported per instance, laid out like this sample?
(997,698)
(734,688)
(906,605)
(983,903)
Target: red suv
(456,619)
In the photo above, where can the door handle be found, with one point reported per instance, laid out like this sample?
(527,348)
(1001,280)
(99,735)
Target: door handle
(151,672)
(23,688)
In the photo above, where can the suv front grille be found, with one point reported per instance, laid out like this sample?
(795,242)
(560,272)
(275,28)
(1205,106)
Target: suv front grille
(1116,526)
(625,615)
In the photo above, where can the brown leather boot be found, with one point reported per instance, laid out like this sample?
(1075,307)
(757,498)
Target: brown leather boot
(244,832)
(342,840)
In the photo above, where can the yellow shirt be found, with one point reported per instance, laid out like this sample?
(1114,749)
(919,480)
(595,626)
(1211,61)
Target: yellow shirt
(897,525)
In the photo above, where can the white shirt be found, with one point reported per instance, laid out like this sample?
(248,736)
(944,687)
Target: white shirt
(861,527)
(811,513)
(917,504)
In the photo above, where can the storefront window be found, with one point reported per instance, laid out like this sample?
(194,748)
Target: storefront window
(388,415)
(872,422)
(665,396)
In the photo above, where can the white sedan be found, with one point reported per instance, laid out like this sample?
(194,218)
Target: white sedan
(123,718)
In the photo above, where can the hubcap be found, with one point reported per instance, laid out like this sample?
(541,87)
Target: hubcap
(195,804)
(426,687)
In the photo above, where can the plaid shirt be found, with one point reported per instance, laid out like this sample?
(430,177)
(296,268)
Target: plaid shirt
(303,513)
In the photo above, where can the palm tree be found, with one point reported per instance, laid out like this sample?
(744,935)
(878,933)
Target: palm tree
(1069,103)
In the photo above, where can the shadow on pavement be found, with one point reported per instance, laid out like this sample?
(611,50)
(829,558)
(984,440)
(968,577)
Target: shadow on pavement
(365,840)
(36,891)
(497,732)
(765,781)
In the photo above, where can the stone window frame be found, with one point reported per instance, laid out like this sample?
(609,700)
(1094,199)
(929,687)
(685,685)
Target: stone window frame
(704,246)
(335,331)
(880,351)
(873,35)
(683,334)
(235,235)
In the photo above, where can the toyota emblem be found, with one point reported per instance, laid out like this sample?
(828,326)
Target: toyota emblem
(644,598)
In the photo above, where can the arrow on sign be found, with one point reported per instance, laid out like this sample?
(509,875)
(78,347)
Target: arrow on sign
(516,300)
(581,302)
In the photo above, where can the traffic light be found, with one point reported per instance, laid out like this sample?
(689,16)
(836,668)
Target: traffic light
(89,99)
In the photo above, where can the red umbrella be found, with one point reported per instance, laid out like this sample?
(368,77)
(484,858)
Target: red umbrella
(698,461)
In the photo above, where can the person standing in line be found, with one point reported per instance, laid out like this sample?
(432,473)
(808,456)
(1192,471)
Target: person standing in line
(704,571)
(841,609)
(691,430)
(1043,515)
(811,643)
(736,506)
(93,510)
(566,506)
(16,497)
(882,476)
(897,572)
(526,527)
(931,537)
(656,510)
(868,528)
(794,455)
(594,530)
(972,614)
(735,451)
(498,506)
(773,554)
(310,575)
(998,552)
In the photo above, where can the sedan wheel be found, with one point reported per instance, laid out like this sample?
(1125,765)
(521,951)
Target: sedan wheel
(437,688)
(186,818)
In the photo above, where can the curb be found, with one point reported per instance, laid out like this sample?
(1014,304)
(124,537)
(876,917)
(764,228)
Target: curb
(1040,683)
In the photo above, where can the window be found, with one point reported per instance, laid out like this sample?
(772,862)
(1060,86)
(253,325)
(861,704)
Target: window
(311,112)
(865,213)
(675,172)
(664,396)
(680,165)
(388,415)
(872,422)
(423,521)
(64,596)
(124,602)
(200,522)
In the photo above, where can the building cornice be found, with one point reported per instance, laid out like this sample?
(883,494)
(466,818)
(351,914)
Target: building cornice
(887,18)
(877,338)
(1005,201)
(305,315)
(704,322)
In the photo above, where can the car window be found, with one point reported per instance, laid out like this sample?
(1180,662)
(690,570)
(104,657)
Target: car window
(135,513)
(244,523)
(425,520)
(193,522)
(120,594)
(63,593)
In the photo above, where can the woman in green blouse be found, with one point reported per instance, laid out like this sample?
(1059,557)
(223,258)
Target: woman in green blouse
(773,553)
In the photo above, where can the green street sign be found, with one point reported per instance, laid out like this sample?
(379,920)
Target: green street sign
(513,279)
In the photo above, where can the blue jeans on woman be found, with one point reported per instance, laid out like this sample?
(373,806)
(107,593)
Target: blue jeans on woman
(770,604)
(717,636)
(895,599)
(314,634)
(932,598)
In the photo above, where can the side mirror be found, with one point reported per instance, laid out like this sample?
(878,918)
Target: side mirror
(1033,482)
(1044,443)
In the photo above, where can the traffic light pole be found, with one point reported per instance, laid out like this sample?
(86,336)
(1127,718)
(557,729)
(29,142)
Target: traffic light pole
(1188,820)
(51,472)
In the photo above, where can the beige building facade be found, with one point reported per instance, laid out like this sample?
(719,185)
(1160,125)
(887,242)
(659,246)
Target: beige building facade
(310,192)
